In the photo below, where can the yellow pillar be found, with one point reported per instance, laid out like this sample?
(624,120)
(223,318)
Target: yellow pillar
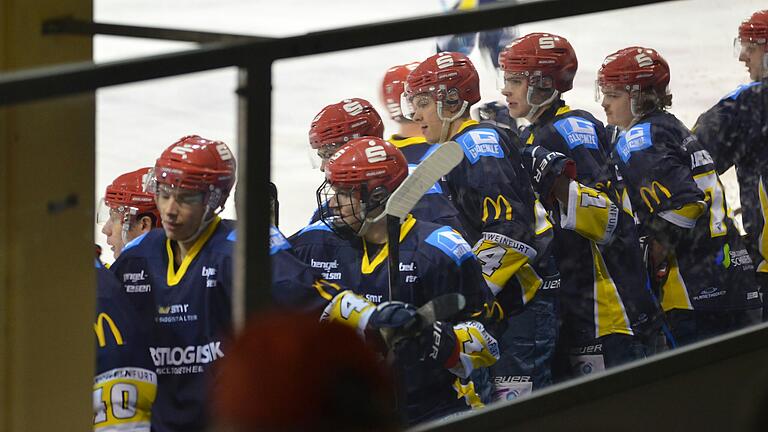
(46,231)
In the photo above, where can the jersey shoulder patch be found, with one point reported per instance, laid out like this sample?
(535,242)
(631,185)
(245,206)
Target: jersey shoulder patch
(480,142)
(635,139)
(577,131)
(737,91)
(316,226)
(277,241)
(450,243)
(135,242)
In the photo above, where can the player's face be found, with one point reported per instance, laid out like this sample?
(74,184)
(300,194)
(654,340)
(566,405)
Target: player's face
(515,91)
(181,211)
(425,116)
(617,106)
(751,55)
(113,229)
(349,208)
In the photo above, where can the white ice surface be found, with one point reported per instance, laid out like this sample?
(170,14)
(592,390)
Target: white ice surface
(136,122)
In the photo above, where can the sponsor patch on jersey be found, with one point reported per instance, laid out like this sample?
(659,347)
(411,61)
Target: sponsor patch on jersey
(737,91)
(277,241)
(435,189)
(481,142)
(134,242)
(577,131)
(317,226)
(636,139)
(451,243)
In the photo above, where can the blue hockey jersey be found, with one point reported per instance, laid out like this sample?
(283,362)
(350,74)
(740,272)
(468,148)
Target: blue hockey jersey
(125,384)
(735,132)
(604,279)
(191,307)
(497,207)
(670,176)
(434,260)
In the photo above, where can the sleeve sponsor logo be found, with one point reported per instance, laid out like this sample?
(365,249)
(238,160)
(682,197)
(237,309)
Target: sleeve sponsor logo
(701,158)
(577,132)
(277,241)
(479,143)
(636,139)
(451,243)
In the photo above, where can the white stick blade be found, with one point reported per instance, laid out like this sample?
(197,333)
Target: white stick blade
(426,174)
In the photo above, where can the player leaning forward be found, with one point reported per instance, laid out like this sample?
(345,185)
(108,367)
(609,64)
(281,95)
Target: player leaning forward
(708,285)
(182,276)
(434,260)
(497,208)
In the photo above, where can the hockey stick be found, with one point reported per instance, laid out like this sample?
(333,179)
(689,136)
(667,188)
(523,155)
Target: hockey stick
(404,198)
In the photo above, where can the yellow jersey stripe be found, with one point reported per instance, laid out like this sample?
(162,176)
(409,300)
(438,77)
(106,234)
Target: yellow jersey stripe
(367,266)
(174,277)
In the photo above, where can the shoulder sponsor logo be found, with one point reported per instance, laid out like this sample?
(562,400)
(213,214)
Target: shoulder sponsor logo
(277,241)
(481,142)
(577,132)
(636,139)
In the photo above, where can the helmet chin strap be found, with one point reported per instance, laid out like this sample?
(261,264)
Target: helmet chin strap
(208,216)
(536,109)
(446,126)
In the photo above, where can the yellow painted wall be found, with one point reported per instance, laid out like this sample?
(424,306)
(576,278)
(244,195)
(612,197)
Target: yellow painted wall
(46,247)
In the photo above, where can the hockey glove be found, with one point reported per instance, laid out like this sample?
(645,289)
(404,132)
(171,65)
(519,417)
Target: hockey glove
(545,167)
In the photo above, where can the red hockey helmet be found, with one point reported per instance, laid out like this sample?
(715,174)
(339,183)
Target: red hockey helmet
(755,28)
(548,60)
(367,170)
(635,68)
(341,122)
(127,195)
(443,73)
(372,162)
(198,164)
(393,86)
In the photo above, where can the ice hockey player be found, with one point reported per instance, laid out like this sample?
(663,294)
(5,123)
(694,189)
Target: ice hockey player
(341,122)
(182,275)
(351,249)
(605,307)
(125,383)
(128,211)
(708,285)
(434,206)
(497,206)
(735,134)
